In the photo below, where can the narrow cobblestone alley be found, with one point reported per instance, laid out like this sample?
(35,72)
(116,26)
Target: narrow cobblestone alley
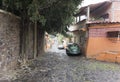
(58,67)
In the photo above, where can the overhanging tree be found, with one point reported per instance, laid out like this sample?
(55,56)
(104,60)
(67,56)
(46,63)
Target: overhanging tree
(52,16)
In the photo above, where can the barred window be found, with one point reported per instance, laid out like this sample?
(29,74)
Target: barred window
(113,34)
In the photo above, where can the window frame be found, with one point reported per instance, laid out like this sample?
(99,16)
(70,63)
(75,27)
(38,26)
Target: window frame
(113,34)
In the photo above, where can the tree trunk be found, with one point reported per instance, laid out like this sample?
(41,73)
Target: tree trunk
(41,40)
(35,40)
(31,42)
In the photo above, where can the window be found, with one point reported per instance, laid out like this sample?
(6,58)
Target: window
(113,34)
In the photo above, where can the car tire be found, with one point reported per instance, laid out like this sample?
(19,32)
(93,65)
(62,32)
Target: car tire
(68,54)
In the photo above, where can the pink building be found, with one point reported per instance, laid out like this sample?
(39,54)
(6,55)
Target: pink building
(101,26)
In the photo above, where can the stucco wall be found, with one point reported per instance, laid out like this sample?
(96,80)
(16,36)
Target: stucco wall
(98,41)
(9,40)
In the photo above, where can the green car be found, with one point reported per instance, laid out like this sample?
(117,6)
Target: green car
(73,49)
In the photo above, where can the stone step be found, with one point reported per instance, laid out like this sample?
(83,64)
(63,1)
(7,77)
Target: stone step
(109,57)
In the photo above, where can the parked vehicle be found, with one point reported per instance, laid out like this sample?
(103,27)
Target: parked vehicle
(73,49)
(60,46)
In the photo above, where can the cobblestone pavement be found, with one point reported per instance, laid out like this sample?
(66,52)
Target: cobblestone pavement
(58,67)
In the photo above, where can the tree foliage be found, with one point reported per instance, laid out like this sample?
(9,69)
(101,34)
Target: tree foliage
(54,15)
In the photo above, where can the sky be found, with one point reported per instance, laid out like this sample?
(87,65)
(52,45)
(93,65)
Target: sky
(87,2)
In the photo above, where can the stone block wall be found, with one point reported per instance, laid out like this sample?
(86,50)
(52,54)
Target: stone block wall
(9,40)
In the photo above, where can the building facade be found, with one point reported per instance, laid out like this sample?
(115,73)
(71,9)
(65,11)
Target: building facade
(102,30)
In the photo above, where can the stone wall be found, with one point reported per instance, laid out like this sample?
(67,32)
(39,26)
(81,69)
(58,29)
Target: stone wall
(9,40)
(17,42)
